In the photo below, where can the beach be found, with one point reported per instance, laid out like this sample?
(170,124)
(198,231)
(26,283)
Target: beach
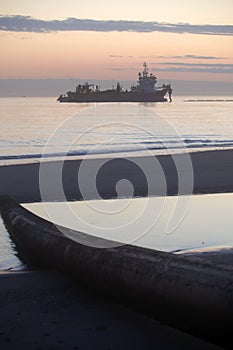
(45,310)
(212,173)
(116,175)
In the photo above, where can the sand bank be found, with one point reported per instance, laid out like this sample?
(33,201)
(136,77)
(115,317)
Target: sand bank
(212,171)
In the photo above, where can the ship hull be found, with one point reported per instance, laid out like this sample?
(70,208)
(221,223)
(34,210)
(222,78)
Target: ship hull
(157,96)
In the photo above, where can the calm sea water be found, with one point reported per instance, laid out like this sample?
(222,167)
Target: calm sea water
(164,223)
(31,127)
(40,128)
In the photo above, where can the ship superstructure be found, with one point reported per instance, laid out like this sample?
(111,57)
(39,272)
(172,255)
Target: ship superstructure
(146,81)
(144,91)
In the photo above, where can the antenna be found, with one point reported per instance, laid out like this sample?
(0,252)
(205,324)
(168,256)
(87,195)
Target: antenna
(145,71)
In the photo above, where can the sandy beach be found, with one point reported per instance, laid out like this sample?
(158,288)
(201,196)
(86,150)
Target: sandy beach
(44,310)
(212,172)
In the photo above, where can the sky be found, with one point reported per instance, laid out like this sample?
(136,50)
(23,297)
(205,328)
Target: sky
(108,40)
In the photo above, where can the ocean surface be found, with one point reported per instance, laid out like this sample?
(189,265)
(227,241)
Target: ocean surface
(37,129)
(32,128)
(204,221)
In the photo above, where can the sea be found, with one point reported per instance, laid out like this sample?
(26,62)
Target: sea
(38,129)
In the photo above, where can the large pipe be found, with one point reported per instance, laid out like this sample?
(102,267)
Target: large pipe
(191,294)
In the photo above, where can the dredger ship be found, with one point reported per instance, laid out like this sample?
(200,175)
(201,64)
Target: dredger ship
(144,91)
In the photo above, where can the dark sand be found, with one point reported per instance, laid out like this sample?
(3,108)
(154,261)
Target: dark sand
(44,310)
(213,173)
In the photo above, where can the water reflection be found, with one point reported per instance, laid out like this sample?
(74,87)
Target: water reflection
(207,223)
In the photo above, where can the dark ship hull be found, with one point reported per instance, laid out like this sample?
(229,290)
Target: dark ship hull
(113,96)
(145,91)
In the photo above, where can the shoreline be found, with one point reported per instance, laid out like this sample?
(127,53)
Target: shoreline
(212,173)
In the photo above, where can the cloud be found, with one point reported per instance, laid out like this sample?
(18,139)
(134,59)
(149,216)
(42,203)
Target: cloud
(212,65)
(115,56)
(188,56)
(29,24)
(195,67)
(121,69)
(200,57)
(193,57)
(218,70)
(186,67)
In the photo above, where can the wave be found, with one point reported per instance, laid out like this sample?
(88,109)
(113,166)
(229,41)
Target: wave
(139,146)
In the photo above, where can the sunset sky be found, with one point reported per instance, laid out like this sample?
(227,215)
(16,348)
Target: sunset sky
(99,39)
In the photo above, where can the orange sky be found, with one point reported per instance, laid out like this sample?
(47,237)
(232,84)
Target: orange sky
(89,54)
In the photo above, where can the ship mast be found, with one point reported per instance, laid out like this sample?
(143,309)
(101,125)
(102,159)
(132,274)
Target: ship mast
(145,70)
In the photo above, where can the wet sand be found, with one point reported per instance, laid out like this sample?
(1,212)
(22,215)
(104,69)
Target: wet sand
(45,310)
(212,171)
